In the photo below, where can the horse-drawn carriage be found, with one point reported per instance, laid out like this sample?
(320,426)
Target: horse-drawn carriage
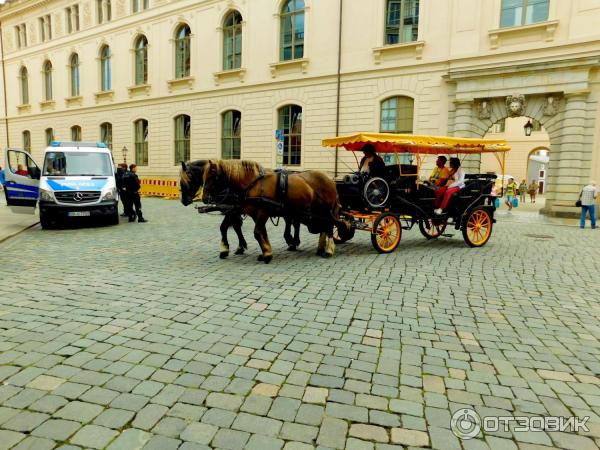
(398,199)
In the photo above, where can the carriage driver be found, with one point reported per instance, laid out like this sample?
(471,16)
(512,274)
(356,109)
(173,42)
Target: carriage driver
(371,163)
(440,173)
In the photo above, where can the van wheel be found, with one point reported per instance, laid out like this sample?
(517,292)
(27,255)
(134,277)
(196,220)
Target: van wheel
(114,219)
(46,223)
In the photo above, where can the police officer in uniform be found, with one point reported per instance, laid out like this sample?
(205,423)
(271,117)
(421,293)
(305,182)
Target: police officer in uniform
(133,186)
(120,179)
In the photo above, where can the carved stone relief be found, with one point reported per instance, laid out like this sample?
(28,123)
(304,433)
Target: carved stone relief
(515,105)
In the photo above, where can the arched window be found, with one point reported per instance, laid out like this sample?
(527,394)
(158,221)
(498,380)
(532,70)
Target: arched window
(27,141)
(140,129)
(232,41)
(24,80)
(183,125)
(292,30)
(397,117)
(105,69)
(106,134)
(74,69)
(182,52)
(141,61)
(290,121)
(47,71)
(231,132)
(401,21)
(49,135)
(76,133)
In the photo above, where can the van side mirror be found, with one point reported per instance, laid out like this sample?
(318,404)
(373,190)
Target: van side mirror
(36,173)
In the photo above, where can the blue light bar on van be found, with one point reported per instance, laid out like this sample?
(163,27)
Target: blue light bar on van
(101,145)
(55,144)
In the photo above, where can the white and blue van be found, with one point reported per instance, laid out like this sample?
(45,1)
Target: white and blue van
(76,180)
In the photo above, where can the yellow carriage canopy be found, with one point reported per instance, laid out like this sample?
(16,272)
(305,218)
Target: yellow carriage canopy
(412,143)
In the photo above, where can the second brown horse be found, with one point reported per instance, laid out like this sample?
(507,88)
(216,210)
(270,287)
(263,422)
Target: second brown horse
(311,199)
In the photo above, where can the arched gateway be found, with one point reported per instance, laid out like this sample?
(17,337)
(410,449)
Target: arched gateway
(561,95)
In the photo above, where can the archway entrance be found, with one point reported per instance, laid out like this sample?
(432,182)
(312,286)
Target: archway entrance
(529,156)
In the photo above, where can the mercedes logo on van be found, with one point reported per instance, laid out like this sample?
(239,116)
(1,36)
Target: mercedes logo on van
(77,196)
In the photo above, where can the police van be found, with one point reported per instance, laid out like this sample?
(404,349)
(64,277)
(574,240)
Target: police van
(75,181)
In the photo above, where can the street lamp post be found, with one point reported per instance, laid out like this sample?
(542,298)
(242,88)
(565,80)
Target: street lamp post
(124,150)
(528,127)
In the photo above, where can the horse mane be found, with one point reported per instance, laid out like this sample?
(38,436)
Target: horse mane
(238,171)
(193,167)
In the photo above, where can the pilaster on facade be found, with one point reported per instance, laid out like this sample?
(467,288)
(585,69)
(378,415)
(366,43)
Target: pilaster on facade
(414,48)
(287,67)
(181,83)
(545,30)
(230,75)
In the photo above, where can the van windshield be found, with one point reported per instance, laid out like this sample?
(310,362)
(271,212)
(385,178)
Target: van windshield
(77,164)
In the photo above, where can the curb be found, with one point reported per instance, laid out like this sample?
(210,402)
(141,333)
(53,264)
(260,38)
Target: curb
(18,232)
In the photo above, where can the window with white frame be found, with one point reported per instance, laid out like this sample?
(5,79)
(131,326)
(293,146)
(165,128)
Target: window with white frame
(139,5)
(105,69)
(515,13)
(231,135)
(290,121)
(21,35)
(24,81)
(76,133)
(141,61)
(291,42)
(183,125)
(106,134)
(232,41)
(45,28)
(103,11)
(72,18)
(47,75)
(183,54)
(74,72)
(397,116)
(401,21)
(140,128)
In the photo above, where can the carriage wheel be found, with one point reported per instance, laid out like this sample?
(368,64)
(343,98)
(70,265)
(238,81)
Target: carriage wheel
(477,228)
(386,234)
(432,228)
(343,235)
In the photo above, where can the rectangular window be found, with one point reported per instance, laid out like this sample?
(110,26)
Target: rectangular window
(49,136)
(231,135)
(290,121)
(515,13)
(402,21)
(49,26)
(141,142)
(100,11)
(76,17)
(21,35)
(42,29)
(69,19)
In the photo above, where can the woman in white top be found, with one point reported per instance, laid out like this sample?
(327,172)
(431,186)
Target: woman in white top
(454,184)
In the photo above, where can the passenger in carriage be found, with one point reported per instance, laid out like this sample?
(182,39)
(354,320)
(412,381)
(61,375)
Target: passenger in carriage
(454,184)
(371,163)
(440,174)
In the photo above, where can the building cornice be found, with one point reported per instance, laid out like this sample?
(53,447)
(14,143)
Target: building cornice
(16,7)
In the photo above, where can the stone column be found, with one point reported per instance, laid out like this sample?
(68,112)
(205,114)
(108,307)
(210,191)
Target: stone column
(570,163)
(464,127)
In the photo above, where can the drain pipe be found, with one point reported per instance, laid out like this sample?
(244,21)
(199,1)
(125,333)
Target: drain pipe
(339,79)
(4,86)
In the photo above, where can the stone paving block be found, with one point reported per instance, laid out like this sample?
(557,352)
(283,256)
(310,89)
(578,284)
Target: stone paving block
(298,432)
(114,418)
(162,443)
(412,438)
(25,421)
(369,432)
(201,433)
(130,439)
(57,429)
(93,436)
(230,439)
(224,401)
(148,416)
(170,426)
(45,383)
(310,414)
(332,433)
(257,424)
(284,408)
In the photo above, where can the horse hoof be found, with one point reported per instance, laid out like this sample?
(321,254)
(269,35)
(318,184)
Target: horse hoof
(260,258)
(291,248)
(240,251)
(223,255)
(327,255)
(320,252)
(267,259)
(297,243)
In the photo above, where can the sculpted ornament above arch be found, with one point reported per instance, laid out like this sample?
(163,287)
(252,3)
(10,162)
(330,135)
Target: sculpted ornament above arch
(515,105)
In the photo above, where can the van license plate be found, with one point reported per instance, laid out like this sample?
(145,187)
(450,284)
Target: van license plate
(79,214)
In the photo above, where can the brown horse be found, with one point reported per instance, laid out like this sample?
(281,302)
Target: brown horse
(311,199)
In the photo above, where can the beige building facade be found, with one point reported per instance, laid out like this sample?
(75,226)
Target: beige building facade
(174,79)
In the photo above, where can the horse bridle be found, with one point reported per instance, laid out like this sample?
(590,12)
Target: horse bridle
(238,196)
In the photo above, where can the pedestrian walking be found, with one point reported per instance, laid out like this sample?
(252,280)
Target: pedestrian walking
(511,192)
(523,190)
(133,186)
(587,201)
(532,190)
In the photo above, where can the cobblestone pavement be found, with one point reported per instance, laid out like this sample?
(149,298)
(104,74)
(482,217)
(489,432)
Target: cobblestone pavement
(140,336)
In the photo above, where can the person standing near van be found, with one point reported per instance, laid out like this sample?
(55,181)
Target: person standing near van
(133,186)
(588,203)
(123,194)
